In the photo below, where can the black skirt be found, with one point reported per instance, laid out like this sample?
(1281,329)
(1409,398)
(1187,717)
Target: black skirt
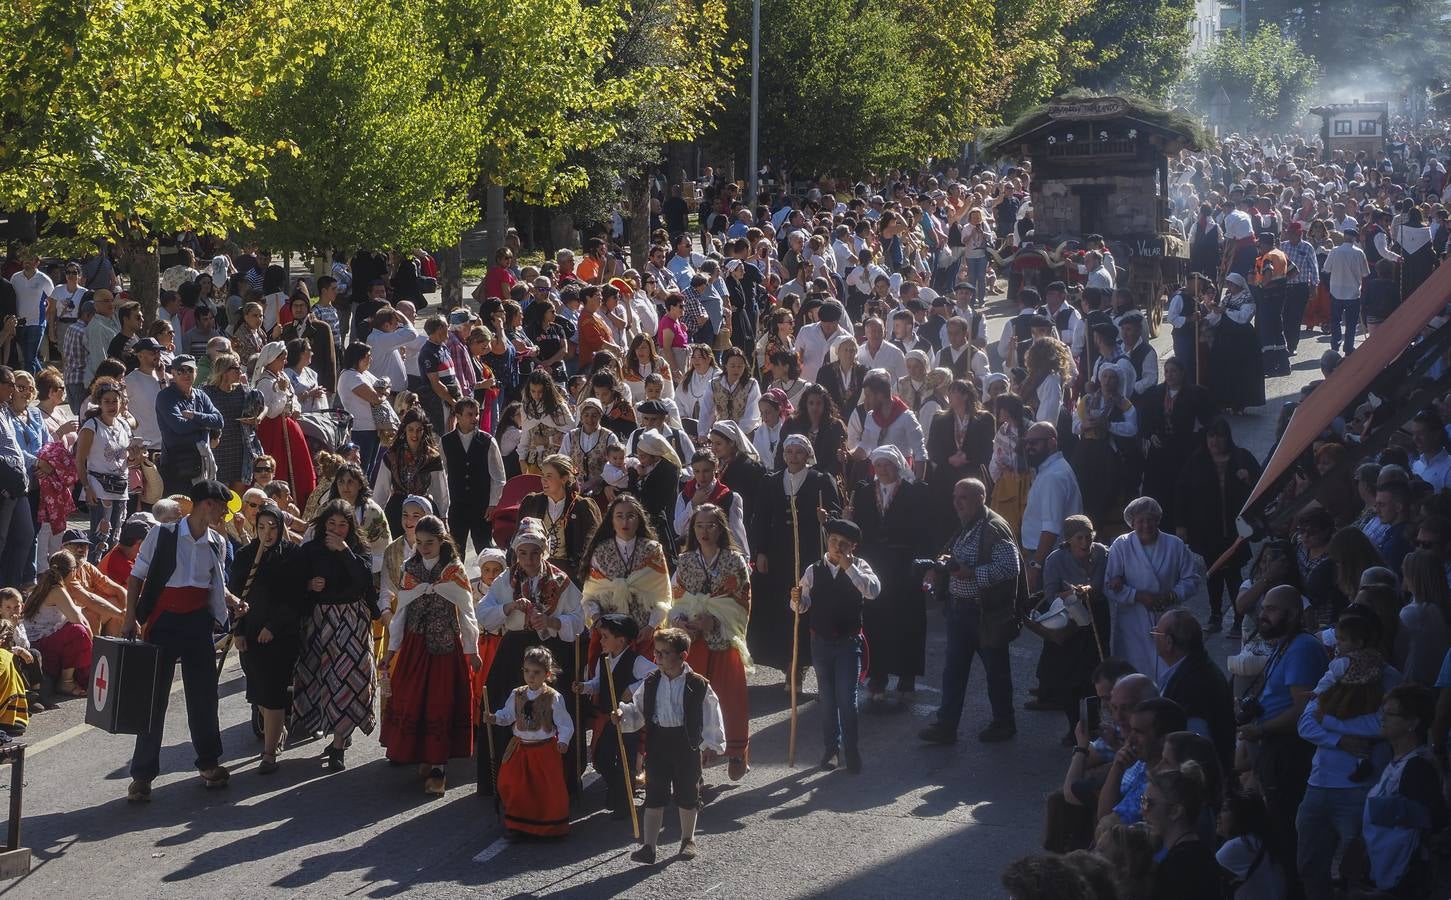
(269,670)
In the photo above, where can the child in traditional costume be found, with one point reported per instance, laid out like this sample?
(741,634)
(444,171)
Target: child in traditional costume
(433,644)
(712,589)
(623,670)
(531,777)
(681,716)
(835,588)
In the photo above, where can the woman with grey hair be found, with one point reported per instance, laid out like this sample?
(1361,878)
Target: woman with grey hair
(1148,572)
(1074,573)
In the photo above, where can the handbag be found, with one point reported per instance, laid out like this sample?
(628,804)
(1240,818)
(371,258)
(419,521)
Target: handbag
(110,482)
(152,486)
(722,336)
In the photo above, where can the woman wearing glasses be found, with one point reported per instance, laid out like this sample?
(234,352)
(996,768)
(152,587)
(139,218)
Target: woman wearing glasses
(241,409)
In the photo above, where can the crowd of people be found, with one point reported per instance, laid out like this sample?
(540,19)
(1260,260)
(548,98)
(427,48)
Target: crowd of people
(781,441)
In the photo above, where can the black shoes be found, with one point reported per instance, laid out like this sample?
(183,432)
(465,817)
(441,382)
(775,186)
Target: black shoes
(334,757)
(853,762)
(646,855)
(937,734)
(828,760)
(998,731)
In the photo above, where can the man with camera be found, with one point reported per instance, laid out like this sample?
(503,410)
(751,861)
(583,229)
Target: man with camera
(1269,719)
(984,586)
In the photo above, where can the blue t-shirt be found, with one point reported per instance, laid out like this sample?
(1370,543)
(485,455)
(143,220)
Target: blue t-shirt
(1302,663)
(1131,789)
(1443,680)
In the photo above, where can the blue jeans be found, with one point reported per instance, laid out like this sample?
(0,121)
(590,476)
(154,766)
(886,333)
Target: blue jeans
(1347,311)
(963,642)
(112,511)
(367,442)
(17,540)
(838,664)
(186,639)
(977,277)
(31,337)
(1329,819)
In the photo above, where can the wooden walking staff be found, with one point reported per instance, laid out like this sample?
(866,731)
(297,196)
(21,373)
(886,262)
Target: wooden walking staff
(578,728)
(484,720)
(620,745)
(230,639)
(794,675)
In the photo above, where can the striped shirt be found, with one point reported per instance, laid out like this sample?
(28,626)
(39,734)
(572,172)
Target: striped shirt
(1002,566)
(73,352)
(1302,257)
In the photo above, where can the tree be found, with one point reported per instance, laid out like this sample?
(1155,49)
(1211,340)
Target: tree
(1390,45)
(386,149)
(116,120)
(1135,46)
(1267,80)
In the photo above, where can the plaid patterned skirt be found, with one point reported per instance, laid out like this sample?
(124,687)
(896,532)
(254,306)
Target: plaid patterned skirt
(336,676)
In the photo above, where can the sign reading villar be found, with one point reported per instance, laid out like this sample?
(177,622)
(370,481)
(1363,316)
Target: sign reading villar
(1096,108)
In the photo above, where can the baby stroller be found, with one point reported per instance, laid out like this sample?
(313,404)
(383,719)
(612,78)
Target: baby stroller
(327,429)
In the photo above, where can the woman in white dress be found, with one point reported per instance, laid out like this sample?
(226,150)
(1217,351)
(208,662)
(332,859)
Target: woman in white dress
(1148,572)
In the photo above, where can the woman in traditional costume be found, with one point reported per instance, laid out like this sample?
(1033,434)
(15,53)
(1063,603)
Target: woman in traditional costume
(433,643)
(627,574)
(712,601)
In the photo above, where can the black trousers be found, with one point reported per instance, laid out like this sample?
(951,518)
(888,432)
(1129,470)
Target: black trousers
(671,767)
(467,521)
(1297,296)
(608,764)
(1283,771)
(187,639)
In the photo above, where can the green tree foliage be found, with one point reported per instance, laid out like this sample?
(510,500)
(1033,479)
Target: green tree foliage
(1134,46)
(1267,80)
(1389,44)
(387,148)
(115,118)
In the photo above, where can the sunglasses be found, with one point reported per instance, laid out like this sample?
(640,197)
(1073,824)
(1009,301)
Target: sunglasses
(254,505)
(267,469)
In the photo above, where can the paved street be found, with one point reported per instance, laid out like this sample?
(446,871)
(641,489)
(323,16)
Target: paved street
(919,820)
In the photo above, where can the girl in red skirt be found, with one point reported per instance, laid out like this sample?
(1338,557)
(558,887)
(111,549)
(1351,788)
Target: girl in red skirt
(433,643)
(531,779)
(492,563)
(712,589)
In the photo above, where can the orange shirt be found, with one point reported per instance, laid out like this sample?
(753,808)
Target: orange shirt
(588,271)
(593,334)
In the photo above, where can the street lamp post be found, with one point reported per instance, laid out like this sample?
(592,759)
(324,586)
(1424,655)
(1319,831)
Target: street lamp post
(753,177)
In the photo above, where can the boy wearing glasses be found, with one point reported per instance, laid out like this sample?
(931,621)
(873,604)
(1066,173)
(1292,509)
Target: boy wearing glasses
(682,715)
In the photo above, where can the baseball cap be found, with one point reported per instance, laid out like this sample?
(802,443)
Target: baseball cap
(146,344)
(184,361)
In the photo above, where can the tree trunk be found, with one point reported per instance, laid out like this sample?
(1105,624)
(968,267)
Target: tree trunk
(450,276)
(561,231)
(639,234)
(496,220)
(143,262)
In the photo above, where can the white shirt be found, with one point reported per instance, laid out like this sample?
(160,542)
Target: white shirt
(29,292)
(1151,371)
(670,711)
(1052,497)
(1238,225)
(1435,471)
(814,345)
(905,434)
(563,724)
(859,574)
(684,508)
(888,356)
(387,360)
(1347,266)
(496,466)
(357,407)
(141,391)
(196,559)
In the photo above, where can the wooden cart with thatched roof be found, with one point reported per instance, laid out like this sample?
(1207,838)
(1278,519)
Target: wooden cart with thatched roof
(1100,165)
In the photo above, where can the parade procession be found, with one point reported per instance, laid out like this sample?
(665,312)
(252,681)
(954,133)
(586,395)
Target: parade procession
(585,450)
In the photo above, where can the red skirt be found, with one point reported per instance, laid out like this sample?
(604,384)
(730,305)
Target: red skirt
(429,717)
(531,788)
(1317,311)
(488,647)
(68,648)
(727,676)
(294,462)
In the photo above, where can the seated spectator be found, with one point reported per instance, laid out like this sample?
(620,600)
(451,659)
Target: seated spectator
(1045,878)
(58,627)
(1392,509)
(1184,866)
(1130,850)
(1150,722)
(1248,856)
(1098,872)
(1407,803)
(1423,638)
(1068,815)
(1186,746)
(1195,681)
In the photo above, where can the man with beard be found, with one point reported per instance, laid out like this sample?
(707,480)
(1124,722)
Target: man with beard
(1270,721)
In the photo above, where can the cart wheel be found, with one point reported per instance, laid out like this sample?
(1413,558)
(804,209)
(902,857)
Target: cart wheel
(256,721)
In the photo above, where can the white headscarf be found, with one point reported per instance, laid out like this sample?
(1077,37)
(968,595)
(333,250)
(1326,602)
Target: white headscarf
(732,432)
(656,444)
(793,440)
(893,455)
(269,354)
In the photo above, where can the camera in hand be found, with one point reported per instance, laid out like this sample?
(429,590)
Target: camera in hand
(942,565)
(1247,710)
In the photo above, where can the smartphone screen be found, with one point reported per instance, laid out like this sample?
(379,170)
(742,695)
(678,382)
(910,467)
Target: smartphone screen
(1089,710)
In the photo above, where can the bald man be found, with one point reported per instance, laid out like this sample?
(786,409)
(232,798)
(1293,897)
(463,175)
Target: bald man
(1052,497)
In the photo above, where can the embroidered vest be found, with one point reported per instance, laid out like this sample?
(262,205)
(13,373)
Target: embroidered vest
(536,714)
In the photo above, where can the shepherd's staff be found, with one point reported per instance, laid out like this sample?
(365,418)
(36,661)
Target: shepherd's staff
(578,729)
(485,719)
(794,675)
(229,640)
(620,746)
